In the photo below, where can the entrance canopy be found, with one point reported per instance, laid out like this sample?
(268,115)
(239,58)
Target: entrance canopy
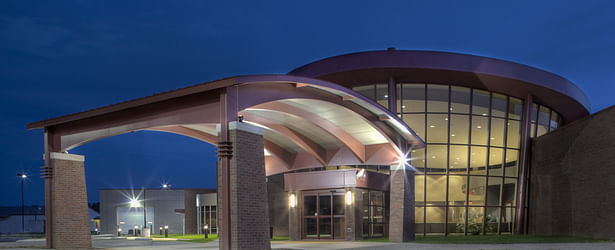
(307,122)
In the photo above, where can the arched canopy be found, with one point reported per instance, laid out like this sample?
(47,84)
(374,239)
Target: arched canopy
(307,122)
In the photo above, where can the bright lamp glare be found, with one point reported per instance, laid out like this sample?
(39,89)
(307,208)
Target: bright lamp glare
(292,200)
(134,203)
(348,197)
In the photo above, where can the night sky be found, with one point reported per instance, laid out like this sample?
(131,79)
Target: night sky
(61,57)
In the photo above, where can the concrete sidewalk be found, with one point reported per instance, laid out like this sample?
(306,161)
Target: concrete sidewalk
(123,243)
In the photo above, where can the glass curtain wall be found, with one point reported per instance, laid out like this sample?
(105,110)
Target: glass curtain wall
(467,175)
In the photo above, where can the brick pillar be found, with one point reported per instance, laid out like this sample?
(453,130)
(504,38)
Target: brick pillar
(70,220)
(353,222)
(294,217)
(401,219)
(248,189)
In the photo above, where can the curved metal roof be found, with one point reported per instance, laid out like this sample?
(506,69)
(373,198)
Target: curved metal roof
(452,68)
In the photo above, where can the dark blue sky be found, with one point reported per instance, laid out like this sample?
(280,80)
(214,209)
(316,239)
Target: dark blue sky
(61,57)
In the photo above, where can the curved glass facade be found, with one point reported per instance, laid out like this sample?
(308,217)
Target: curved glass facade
(466,179)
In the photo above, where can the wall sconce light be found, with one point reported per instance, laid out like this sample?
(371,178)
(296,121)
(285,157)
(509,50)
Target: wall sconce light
(292,200)
(348,197)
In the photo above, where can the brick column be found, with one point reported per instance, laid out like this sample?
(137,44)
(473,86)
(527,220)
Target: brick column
(401,219)
(248,188)
(294,217)
(352,215)
(70,220)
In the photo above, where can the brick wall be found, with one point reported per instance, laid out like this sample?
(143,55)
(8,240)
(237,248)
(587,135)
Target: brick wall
(248,191)
(71,222)
(573,179)
(191,209)
(401,212)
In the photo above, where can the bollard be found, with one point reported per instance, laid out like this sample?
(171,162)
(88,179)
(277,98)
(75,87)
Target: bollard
(166,231)
(206,231)
(160,230)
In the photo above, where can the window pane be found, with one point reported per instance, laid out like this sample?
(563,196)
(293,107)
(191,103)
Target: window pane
(309,205)
(534,112)
(377,198)
(414,98)
(477,191)
(456,190)
(514,134)
(338,204)
(460,100)
(508,219)
(458,159)
(493,191)
(533,130)
(512,160)
(325,205)
(437,128)
(542,129)
(437,98)
(515,108)
(416,122)
(554,124)
(436,190)
(399,98)
(435,219)
(543,120)
(475,220)
(478,160)
(382,94)
(419,214)
(495,161)
(480,130)
(417,157)
(509,191)
(436,158)
(460,129)
(457,217)
(493,219)
(498,105)
(480,102)
(367,91)
(419,189)
(497,132)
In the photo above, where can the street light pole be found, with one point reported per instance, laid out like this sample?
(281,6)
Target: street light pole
(23,177)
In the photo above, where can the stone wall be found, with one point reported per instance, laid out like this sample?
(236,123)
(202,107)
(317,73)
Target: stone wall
(572,181)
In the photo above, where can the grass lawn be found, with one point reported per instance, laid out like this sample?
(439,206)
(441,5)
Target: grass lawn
(196,238)
(494,239)
(279,238)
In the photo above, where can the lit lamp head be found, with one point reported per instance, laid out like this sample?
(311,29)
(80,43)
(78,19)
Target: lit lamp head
(136,227)
(292,200)
(165,186)
(134,203)
(119,229)
(160,228)
(348,197)
(166,226)
(205,227)
(22,176)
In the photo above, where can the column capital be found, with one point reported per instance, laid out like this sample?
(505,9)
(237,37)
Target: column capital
(65,156)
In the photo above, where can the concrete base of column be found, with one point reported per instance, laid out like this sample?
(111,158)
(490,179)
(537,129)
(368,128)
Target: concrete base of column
(401,219)
(70,220)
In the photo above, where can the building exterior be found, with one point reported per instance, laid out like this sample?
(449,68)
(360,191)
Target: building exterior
(128,210)
(373,144)
(34,220)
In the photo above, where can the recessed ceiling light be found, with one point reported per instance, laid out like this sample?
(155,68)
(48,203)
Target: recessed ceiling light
(386,96)
(492,138)
(446,119)
(433,157)
(403,106)
(432,126)
(452,134)
(484,114)
(457,158)
(479,126)
(451,109)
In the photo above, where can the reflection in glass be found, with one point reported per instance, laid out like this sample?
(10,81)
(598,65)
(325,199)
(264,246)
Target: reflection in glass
(456,220)
(325,204)
(436,158)
(460,100)
(495,161)
(324,226)
(458,159)
(382,95)
(419,189)
(309,228)
(480,102)
(497,132)
(456,190)
(416,122)
(512,160)
(515,108)
(435,219)
(498,105)
(508,192)
(367,91)
(309,205)
(339,228)
(513,134)
(476,197)
(554,124)
(338,204)
(437,98)
(478,160)
(508,219)
(475,220)
(494,184)
(480,130)
(492,219)
(460,129)
(436,190)
(417,159)
(437,128)
(413,98)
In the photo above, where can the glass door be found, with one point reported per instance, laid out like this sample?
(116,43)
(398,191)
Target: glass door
(323,215)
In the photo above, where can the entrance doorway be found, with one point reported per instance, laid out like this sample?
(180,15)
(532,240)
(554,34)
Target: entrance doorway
(323,214)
